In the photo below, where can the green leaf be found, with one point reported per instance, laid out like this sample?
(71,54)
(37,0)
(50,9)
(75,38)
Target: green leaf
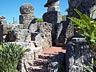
(86,26)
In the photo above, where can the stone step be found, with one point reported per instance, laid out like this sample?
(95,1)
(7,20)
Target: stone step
(45,56)
(38,69)
(41,62)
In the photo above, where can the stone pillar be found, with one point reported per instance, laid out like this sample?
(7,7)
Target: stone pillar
(78,55)
(1,33)
(53,16)
(2,22)
(27,15)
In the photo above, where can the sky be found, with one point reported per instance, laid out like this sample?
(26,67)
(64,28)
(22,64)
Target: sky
(10,8)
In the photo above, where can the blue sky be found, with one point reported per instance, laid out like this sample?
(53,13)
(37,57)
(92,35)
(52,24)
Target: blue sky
(10,8)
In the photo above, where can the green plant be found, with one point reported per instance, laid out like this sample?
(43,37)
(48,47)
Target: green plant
(10,54)
(39,20)
(86,27)
(64,18)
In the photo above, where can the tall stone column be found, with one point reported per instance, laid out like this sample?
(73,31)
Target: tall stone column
(27,15)
(78,53)
(53,16)
(2,22)
(1,33)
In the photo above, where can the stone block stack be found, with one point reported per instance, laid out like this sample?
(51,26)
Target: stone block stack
(27,14)
(2,22)
(53,16)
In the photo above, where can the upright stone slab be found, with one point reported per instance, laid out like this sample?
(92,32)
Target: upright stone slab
(53,16)
(2,22)
(1,33)
(27,15)
(61,33)
(85,6)
(78,55)
(41,34)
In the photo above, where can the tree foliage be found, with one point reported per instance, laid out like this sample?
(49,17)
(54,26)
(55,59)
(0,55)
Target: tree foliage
(39,20)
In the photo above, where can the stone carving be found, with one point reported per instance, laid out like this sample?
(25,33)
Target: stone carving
(93,12)
(53,5)
(83,5)
(61,33)
(20,35)
(69,31)
(10,37)
(27,15)
(7,28)
(36,36)
(53,16)
(37,31)
(3,20)
(41,34)
(78,55)
(26,9)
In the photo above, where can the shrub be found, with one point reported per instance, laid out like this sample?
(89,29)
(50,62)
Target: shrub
(39,20)
(10,54)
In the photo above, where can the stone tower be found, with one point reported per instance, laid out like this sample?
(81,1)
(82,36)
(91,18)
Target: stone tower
(53,5)
(53,16)
(27,15)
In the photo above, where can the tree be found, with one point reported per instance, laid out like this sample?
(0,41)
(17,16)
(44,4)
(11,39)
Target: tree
(39,20)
